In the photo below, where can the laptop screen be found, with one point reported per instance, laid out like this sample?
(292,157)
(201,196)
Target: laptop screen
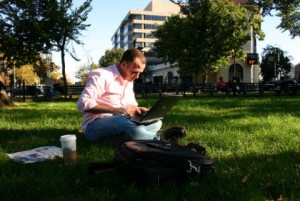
(163,105)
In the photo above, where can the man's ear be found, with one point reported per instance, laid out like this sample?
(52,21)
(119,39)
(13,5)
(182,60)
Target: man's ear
(123,64)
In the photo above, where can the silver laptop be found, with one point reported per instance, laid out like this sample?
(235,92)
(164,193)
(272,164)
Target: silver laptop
(158,110)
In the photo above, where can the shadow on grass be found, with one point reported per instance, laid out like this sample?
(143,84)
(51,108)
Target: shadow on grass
(248,177)
(252,177)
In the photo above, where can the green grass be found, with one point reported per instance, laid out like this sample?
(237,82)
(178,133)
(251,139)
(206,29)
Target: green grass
(254,143)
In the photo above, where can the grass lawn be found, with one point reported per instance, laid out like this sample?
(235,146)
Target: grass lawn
(254,143)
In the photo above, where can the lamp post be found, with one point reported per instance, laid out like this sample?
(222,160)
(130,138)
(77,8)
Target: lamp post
(272,58)
(48,58)
(234,63)
(280,71)
(14,75)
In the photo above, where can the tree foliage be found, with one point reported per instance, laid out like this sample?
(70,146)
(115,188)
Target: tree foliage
(291,22)
(31,27)
(82,73)
(26,73)
(273,59)
(66,27)
(280,6)
(111,57)
(44,68)
(207,34)
(287,10)
(22,31)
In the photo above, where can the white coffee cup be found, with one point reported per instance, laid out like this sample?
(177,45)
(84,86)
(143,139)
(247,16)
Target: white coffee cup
(68,145)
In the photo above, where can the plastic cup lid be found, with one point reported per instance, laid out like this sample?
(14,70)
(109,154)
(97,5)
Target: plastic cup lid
(67,137)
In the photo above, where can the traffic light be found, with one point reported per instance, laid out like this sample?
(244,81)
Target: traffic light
(252,58)
(252,61)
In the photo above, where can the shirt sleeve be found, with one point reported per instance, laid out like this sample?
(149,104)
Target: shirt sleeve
(129,98)
(91,91)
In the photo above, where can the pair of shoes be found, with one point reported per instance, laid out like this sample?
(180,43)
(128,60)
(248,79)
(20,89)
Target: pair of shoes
(172,134)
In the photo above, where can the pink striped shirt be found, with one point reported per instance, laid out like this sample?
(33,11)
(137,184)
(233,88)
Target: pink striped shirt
(105,86)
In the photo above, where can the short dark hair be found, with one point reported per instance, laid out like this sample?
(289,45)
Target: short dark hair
(131,54)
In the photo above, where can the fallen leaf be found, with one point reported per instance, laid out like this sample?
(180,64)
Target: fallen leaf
(246,178)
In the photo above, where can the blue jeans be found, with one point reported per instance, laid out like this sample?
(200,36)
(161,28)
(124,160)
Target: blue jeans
(121,125)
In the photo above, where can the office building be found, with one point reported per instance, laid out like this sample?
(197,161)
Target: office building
(135,29)
(135,32)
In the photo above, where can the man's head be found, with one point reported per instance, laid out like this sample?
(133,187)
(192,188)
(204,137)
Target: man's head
(133,63)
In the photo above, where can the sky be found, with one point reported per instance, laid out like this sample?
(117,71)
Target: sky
(106,17)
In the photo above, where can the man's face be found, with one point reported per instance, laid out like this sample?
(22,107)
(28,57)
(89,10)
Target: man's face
(133,69)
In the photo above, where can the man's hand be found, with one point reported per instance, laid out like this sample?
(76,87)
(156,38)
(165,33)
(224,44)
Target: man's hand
(119,111)
(143,110)
(133,109)
(130,110)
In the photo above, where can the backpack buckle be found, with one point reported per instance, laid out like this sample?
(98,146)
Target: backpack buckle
(193,167)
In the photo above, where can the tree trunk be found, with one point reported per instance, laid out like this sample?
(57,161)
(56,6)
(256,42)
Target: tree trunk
(63,65)
(5,100)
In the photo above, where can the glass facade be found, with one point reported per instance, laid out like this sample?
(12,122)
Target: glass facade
(138,44)
(149,26)
(155,17)
(149,35)
(134,29)
(148,44)
(127,29)
(137,26)
(137,17)
(137,35)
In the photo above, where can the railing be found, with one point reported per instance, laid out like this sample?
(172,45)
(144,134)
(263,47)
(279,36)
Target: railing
(211,88)
(144,89)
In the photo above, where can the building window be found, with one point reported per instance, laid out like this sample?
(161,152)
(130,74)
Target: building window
(148,44)
(155,17)
(149,35)
(137,26)
(129,46)
(236,72)
(138,44)
(150,26)
(127,29)
(137,17)
(125,39)
(137,35)
(129,20)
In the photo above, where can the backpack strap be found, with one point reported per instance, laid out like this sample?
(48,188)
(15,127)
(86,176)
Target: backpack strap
(95,168)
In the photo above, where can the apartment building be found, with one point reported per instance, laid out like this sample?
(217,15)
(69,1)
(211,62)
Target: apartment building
(135,29)
(135,32)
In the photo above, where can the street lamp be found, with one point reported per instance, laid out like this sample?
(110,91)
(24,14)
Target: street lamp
(279,70)
(275,59)
(48,58)
(234,63)
(15,75)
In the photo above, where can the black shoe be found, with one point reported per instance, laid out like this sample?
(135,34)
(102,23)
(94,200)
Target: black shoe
(172,134)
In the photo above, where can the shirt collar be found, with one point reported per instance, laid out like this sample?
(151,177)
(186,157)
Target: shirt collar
(117,74)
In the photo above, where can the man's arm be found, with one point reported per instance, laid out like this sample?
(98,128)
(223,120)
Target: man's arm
(108,109)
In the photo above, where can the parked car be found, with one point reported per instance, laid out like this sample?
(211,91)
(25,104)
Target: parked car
(29,91)
(286,82)
(290,86)
(50,90)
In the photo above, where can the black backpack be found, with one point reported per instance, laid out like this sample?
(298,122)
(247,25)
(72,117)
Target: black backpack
(153,162)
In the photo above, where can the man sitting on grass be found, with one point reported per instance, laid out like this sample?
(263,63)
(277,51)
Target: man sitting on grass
(108,99)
